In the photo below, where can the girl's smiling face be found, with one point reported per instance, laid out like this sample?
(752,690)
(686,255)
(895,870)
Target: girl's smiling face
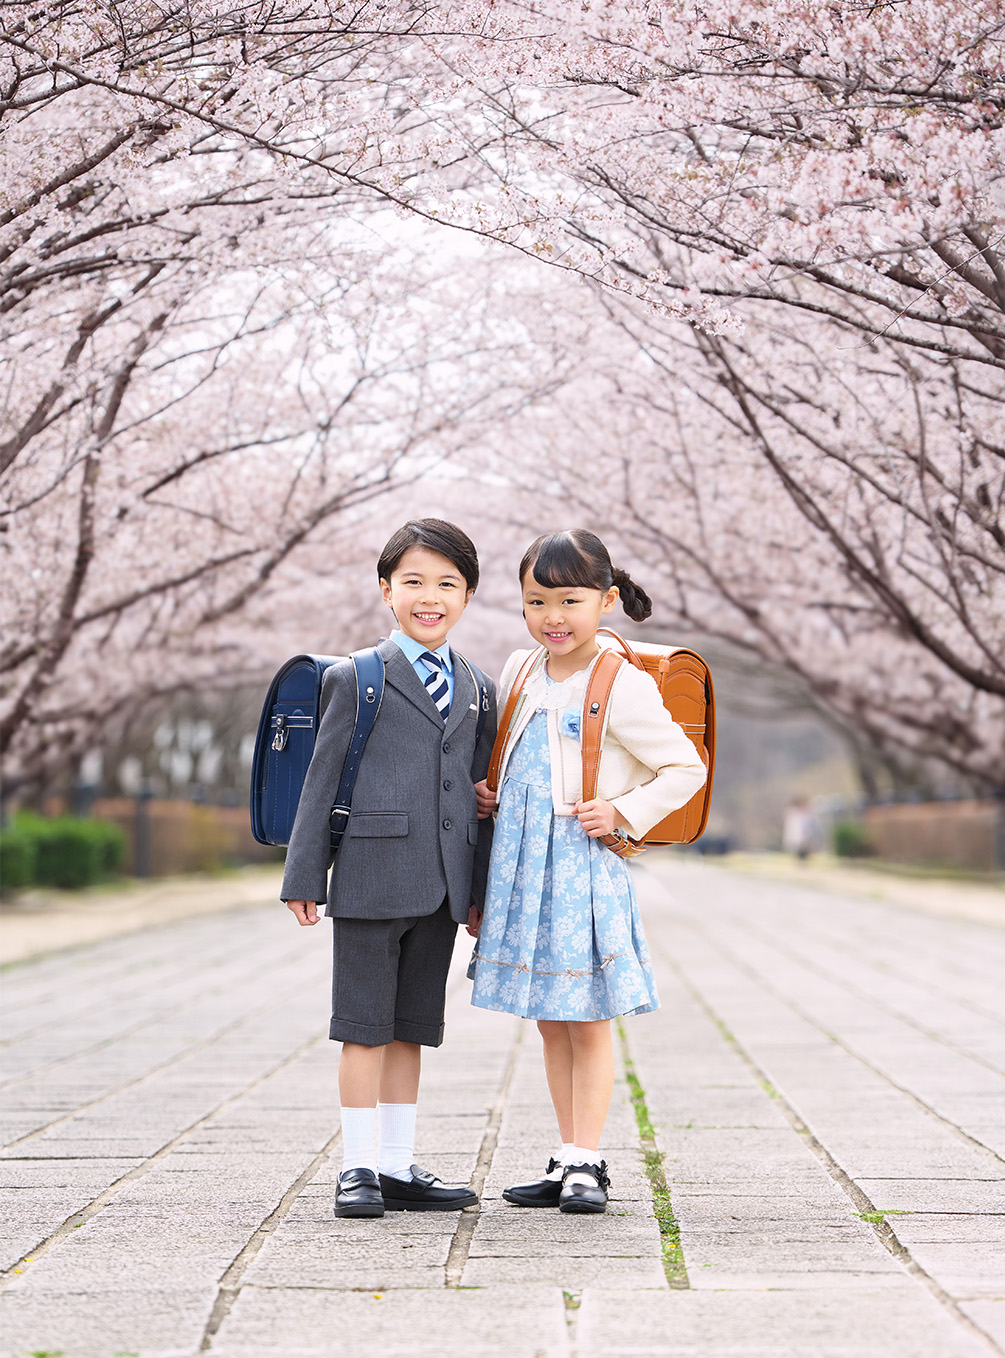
(564,620)
(427,594)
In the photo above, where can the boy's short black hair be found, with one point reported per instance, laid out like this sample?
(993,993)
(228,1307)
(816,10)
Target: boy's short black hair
(439,536)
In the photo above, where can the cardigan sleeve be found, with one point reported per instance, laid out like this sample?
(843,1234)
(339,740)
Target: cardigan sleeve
(639,722)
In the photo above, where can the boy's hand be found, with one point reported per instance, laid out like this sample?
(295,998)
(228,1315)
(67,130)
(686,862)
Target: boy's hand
(598,817)
(474,921)
(487,800)
(305,911)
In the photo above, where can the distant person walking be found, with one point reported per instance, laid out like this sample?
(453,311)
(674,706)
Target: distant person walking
(561,938)
(800,829)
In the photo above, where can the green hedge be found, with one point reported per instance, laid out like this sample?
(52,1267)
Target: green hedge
(18,857)
(64,851)
(851,840)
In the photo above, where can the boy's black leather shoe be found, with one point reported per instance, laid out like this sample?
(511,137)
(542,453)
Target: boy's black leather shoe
(538,1193)
(589,1197)
(358,1194)
(423,1192)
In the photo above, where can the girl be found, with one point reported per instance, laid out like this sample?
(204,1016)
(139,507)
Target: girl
(561,940)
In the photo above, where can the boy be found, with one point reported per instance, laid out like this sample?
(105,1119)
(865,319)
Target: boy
(412,862)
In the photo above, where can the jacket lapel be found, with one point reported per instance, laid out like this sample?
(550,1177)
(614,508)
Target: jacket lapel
(399,673)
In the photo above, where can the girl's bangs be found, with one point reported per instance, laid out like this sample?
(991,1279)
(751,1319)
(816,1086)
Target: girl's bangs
(561,564)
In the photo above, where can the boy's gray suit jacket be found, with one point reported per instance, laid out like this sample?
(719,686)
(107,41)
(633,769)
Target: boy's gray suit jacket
(414,837)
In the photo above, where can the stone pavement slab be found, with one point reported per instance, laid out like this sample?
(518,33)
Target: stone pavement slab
(34,923)
(981,900)
(793,1078)
(822,1091)
(863,1322)
(525,1322)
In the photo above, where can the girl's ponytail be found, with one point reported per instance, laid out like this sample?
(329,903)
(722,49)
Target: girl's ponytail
(635,601)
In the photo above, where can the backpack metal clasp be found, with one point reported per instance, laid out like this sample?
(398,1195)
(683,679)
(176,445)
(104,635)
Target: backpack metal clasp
(282,733)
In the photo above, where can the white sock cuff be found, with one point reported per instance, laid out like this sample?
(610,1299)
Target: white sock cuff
(397,1119)
(359,1138)
(579,1155)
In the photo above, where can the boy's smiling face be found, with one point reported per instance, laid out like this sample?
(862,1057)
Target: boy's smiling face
(427,594)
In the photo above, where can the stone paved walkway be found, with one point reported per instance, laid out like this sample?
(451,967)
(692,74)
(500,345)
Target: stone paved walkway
(824,1084)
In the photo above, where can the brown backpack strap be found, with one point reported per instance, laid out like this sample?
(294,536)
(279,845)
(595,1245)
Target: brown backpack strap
(598,695)
(629,651)
(506,720)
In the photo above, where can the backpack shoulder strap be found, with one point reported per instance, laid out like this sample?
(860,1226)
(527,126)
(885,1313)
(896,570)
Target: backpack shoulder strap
(482,689)
(595,704)
(629,651)
(369,667)
(506,720)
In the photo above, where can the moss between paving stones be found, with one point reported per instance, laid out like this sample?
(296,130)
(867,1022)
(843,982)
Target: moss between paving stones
(673,1253)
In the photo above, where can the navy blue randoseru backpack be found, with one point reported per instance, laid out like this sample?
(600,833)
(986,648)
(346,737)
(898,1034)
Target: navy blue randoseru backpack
(288,729)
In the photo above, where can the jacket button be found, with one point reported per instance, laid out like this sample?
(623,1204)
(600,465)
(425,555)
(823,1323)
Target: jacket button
(447,785)
(446,747)
(448,825)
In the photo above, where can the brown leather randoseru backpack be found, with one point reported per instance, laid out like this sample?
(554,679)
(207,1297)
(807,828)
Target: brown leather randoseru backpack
(685,686)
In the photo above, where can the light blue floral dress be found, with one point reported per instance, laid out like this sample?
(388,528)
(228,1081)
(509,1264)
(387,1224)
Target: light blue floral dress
(561,937)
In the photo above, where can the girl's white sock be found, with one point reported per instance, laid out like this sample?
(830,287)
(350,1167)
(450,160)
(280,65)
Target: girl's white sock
(359,1138)
(579,1155)
(397,1139)
(561,1159)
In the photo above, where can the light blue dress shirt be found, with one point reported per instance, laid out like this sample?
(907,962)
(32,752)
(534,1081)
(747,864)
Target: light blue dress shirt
(413,649)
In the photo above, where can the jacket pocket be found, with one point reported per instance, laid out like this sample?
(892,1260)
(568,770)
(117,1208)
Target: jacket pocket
(472,832)
(382,824)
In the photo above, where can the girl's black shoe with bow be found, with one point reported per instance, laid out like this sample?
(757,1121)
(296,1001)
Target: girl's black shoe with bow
(539,1192)
(584,1188)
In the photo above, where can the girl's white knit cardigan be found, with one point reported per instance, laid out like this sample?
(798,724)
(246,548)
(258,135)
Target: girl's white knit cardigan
(648,766)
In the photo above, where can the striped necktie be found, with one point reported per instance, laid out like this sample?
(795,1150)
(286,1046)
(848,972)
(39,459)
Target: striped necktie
(436,682)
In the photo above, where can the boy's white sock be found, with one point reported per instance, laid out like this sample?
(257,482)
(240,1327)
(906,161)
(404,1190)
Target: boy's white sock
(359,1138)
(561,1159)
(579,1155)
(397,1139)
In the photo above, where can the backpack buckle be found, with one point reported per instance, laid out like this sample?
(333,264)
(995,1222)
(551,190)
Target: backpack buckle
(282,734)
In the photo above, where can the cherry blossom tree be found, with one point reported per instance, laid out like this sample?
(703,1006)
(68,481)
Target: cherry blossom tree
(215,361)
(817,197)
(786,371)
(188,511)
(829,512)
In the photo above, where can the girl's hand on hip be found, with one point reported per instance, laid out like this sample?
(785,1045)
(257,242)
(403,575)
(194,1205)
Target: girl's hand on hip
(487,800)
(597,817)
(474,923)
(305,911)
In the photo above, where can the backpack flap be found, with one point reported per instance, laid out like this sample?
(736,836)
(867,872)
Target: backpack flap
(685,686)
(284,745)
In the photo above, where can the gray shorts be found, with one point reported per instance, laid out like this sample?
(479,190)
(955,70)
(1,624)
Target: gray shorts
(389,978)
